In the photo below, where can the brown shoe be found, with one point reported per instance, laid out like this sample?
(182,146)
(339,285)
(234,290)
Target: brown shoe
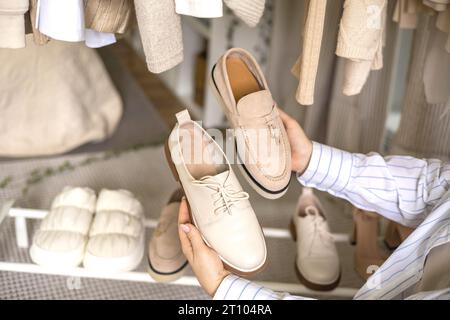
(368,254)
(165,258)
(395,235)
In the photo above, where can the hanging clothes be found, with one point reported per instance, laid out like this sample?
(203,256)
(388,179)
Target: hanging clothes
(406,13)
(357,123)
(160,29)
(360,41)
(443,24)
(65,21)
(438,5)
(110,16)
(12,23)
(305,68)
(38,37)
(354,123)
(199,8)
(424,127)
(249,11)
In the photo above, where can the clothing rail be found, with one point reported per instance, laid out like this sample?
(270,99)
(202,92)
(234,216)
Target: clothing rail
(22,239)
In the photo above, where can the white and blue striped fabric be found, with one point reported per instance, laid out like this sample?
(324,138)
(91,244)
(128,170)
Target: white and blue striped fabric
(410,191)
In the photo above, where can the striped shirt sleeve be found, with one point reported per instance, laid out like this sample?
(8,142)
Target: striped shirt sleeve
(236,288)
(401,188)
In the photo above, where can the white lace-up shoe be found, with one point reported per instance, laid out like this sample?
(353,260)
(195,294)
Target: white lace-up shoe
(317,262)
(219,207)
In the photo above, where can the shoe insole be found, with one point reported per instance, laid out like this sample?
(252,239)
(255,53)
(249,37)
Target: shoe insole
(199,156)
(242,80)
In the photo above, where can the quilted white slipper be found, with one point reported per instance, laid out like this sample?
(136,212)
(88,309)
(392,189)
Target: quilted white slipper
(116,238)
(63,234)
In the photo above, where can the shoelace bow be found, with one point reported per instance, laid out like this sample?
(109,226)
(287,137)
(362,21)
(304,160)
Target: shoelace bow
(320,233)
(225,195)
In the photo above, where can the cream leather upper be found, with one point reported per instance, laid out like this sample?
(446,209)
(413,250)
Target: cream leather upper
(221,209)
(261,138)
(165,254)
(317,257)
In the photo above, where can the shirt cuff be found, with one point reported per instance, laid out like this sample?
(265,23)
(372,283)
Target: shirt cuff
(329,169)
(236,288)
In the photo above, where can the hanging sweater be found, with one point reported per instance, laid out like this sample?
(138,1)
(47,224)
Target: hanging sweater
(360,40)
(12,23)
(306,66)
(249,11)
(108,15)
(160,29)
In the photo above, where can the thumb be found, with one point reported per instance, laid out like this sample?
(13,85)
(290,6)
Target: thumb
(194,237)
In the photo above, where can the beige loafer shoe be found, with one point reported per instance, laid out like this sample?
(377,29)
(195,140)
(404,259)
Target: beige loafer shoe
(262,145)
(166,261)
(219,208)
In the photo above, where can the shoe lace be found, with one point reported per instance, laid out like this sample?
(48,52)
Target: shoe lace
(319,231)
(224,197)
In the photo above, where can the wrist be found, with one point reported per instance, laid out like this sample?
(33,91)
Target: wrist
(218,282)
(304,157)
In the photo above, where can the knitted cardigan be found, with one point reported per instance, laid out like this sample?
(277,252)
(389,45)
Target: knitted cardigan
(360,41)
(160,29)
(108,15)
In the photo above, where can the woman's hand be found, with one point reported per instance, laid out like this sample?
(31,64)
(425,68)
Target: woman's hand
(204,261)
(301,146)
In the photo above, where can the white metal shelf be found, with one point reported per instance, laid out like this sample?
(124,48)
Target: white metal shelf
(21,215)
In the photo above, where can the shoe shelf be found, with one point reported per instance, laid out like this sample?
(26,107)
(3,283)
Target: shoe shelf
(21,215)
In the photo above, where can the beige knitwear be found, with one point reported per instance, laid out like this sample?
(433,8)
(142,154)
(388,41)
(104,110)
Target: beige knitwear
(12,23)
(306,65)
(110,16)
(360,40)
(368,110)
(406,12)
(160,29)
(443,24)
(249,11)
(424,130)
(437,5)
(54,98)
(38,37)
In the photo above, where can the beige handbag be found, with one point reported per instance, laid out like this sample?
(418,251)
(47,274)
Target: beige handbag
(54,98)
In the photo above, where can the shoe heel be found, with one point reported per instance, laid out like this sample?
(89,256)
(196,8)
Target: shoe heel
(170,162)
(292,230)
(353,235)
(392,237)
(395,234)
(367,252)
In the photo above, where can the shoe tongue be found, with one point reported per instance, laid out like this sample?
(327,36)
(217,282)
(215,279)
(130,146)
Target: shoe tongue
(256,104)
(222,177)
(312,211)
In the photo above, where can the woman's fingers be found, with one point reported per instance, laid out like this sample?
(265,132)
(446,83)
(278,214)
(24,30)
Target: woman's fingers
(183,213)
(285,118)
(183,218)
(194,237)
